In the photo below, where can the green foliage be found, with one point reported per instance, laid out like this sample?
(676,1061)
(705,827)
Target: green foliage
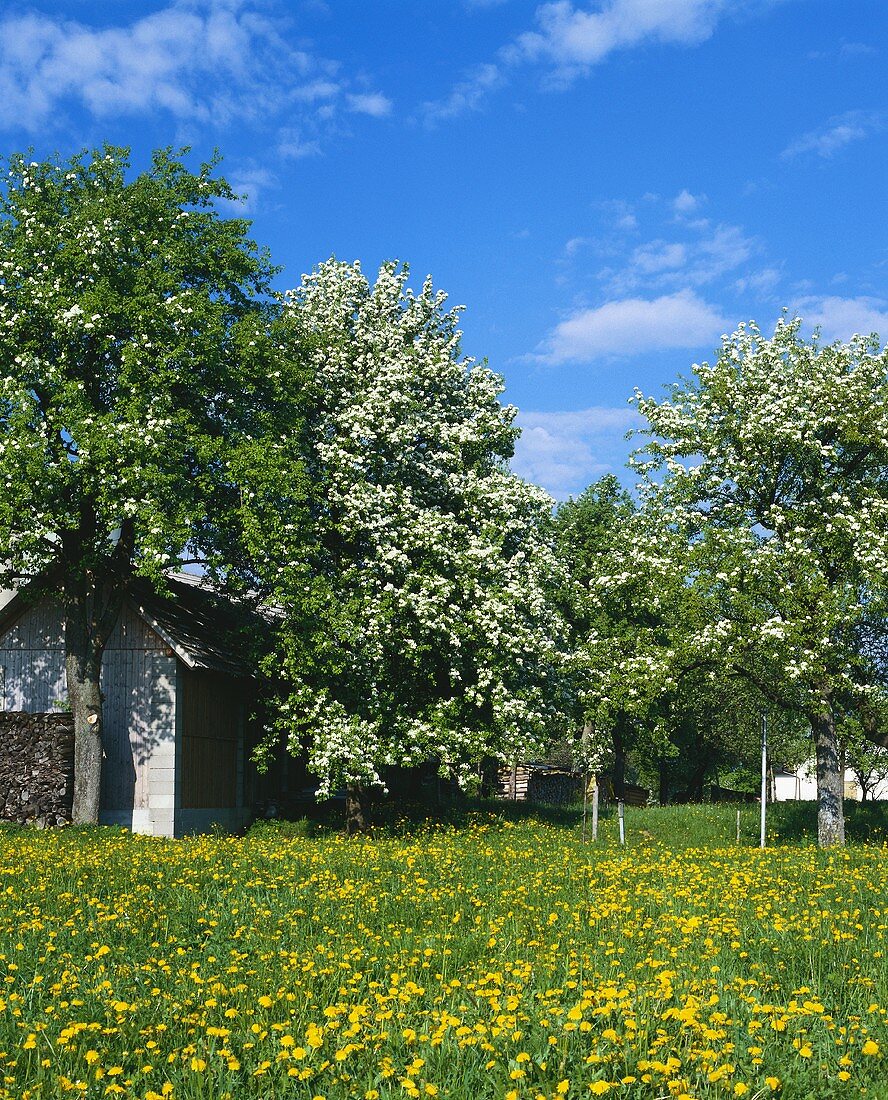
(775,460)
(416,615)
(134,356)
(767,473)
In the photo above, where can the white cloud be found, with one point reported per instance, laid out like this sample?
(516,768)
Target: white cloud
(570,40)
(577,244)
(705,254)
(294,145)
(659,256)
(857,49)
(207,62)
(686,203)
(573,39)
(633,325)
(620,213)
(317,91)
(845,51)
(565,451)
(249,182)
(373,103)
(763,281)
(841,318)
(839,131)
(723,251)
(467,95)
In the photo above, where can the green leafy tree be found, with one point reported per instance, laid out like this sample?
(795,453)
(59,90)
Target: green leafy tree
(417,615)
(772,464)
(135,364)
(865,758)
(590,530)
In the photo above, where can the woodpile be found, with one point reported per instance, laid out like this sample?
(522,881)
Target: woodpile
(539,783)
(36,768)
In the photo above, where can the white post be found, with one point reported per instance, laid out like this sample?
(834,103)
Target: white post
(738,826)
(622,826)
(595,809)
(764,778)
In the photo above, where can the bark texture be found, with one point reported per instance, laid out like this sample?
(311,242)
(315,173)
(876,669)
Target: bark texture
(91,612)
(830,778)
(357,809)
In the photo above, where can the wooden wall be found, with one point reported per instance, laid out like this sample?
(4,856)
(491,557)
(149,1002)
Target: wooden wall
(139,683)
(212,721)
(32,662)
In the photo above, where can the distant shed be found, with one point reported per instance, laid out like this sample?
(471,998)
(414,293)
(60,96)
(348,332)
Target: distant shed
(178,693)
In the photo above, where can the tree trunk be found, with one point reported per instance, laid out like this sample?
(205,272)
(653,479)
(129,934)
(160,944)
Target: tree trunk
(89,619)
(664,781)
(83,666)
(357,799)
(830,778)
(698,775)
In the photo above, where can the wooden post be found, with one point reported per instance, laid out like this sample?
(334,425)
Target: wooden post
(595,808)
(738,826)
(515,779)
(622,825)
(764,778)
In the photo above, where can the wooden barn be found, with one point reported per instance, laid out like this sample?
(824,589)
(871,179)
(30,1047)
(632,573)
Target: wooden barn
(177,699)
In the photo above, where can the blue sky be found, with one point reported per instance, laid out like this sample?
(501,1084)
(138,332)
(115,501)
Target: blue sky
(607,185)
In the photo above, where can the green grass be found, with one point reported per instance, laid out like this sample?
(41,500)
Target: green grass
(494,955)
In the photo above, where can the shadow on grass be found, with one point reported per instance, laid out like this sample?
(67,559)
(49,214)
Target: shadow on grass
(797,821)
(400,818)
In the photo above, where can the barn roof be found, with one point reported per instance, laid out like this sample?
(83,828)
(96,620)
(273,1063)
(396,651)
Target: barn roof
(205,629)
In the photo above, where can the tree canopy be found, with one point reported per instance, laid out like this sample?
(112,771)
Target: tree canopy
(134,349)
(418,621)
(772,465)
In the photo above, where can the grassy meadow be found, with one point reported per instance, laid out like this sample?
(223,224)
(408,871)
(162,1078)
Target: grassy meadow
(495,956)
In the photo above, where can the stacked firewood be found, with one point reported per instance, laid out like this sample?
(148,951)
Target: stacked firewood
(36,768)
(539,783)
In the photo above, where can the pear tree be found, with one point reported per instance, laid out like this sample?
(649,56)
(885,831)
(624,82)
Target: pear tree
(418,602)
(770,466)
(133,366)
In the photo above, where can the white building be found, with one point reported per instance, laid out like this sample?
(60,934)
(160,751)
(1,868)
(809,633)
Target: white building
(801,785)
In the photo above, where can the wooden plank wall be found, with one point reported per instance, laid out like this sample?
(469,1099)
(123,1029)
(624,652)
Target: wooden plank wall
(138,680)
(33,663)
(212,729)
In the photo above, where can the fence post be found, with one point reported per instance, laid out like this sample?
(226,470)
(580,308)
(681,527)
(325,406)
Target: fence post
(764,778)
(595,809)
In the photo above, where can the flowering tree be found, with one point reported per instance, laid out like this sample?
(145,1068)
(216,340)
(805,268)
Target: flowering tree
(776,473)
(131,344)
(615,629)
(418,622)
